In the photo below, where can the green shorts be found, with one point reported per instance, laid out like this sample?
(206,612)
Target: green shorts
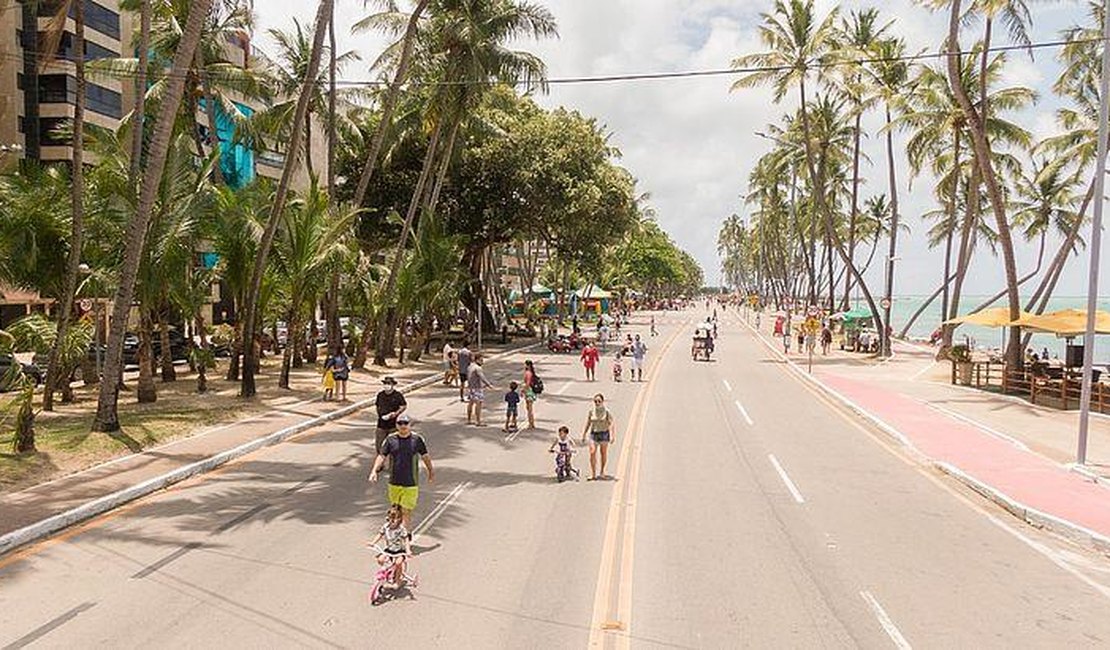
(404,496)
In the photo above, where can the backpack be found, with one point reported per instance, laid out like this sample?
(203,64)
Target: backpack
(537,383)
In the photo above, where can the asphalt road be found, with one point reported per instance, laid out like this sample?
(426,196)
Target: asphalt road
(746,512)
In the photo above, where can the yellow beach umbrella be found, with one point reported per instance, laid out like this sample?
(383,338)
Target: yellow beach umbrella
(1066,323)
(993,317)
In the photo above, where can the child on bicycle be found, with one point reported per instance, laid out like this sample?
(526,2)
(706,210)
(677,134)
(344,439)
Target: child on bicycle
(563,448)
(398,544)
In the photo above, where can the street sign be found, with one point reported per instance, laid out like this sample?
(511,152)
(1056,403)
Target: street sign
(885,303)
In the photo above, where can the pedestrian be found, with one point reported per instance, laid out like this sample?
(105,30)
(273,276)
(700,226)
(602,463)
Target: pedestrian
(401,448)
(590,357)
(464,356)
(618,368)
(801,338)
(826,339)
(389,404)
(328,380)
(476,385)
(602,335)
(653,332)
(448,354)
(786,337)
(599,427)
(639,352)
(512,400)
(574,325)
(341,370)
(532,389)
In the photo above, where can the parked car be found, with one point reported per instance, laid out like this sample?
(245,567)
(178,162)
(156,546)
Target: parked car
(179,350)
(29,369)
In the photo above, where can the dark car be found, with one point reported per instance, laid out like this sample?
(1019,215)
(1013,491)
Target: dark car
(179,351)
(30,369)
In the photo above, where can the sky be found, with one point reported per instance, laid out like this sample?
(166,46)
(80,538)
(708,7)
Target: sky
(692,143)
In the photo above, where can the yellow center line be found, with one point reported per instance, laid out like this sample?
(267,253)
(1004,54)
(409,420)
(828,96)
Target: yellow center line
(620,540)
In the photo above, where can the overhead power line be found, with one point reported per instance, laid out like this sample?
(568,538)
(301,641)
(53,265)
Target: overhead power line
(652,76)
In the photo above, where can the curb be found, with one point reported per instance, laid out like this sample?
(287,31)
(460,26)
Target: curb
(1067,529)
(41,529)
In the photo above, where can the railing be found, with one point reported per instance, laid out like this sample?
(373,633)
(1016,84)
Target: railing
(1064,393)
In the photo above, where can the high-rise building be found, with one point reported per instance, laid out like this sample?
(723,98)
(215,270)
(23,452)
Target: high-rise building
(36,98)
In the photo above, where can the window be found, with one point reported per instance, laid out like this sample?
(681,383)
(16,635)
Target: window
(62,89)
(97,17)
(92,50)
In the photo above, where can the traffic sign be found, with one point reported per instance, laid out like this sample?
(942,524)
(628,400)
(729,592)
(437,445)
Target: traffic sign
(885,303)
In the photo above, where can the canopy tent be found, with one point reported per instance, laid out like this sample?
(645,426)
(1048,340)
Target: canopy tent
(592,292)
(1066,323)
(993,317)
(540,293)
(853,317)
(591,298)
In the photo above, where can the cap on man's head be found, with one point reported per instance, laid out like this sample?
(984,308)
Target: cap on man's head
(403,419)
(389,380)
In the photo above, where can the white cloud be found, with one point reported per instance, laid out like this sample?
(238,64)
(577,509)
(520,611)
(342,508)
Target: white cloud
(691,142)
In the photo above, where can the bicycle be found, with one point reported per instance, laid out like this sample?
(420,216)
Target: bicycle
(391,575)
(563,468)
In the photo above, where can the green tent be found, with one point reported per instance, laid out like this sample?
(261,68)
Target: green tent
(855,317)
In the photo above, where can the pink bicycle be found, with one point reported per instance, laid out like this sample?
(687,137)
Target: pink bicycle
(391,576)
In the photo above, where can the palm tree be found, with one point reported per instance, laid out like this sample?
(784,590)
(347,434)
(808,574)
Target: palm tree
(107,416)
(468,40)
(236,229)
(890,73)
(250,308)
(54,34)
(984,164)
(799,45)
(307,247)
(858,33)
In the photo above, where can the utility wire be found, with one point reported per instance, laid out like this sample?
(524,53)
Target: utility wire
(632,77)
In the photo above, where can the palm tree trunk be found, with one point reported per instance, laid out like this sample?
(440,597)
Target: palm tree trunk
(250,308)
(168,372)
(853,216)
(290,347)
(1060,259)
(384,324)
(77,200)
(332,96)
(1022,280)
(971,217)
(308,145)
(888,327)
(210,113)
(389,104)
(146,391)
(925,305)
(976,121)
(138,118)
(107,416)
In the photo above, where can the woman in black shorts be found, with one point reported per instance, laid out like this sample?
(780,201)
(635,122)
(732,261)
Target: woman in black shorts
(599,427)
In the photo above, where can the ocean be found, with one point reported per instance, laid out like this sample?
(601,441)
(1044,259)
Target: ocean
(984,337)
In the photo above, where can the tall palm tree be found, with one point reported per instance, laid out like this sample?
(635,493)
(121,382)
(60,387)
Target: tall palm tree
(985,167)
(250,308)
(54,35)
(107,416)
(890,73)
(859,31)
(799,45)
(469,40)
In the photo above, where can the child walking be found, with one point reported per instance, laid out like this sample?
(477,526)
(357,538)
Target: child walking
(512,401)
(618,367)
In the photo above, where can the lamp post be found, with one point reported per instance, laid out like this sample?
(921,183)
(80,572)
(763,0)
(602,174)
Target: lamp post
(1096,241)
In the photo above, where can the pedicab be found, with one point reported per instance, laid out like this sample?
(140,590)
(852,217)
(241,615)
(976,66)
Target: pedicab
(703,343)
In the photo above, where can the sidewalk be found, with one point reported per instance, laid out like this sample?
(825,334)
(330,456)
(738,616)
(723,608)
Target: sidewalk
(1015,453)
(38,503)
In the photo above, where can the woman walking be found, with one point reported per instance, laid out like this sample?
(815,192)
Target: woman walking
(530,392)
(590,357)
(599,427)
(341,370)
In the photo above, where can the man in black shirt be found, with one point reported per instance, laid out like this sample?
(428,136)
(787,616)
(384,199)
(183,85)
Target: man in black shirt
(402,448)
(390,403)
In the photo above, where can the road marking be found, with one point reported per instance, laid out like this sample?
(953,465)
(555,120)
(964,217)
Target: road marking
(728,386)
(1050,554)
(172,557)
(438,511)
(620,528)
(564,388)
(47,628)
(917,375)
(884,620)
(978,425)
(786,479)
(744,412)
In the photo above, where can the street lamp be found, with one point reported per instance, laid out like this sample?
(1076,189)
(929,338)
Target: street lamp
(1095,245)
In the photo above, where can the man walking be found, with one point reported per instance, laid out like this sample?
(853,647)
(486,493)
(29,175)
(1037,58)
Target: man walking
(464,356)
(653,332)
(401,448)
(639,351)
(476,385)
(389,404)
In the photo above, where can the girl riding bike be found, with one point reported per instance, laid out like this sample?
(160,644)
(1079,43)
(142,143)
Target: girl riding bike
(398,544)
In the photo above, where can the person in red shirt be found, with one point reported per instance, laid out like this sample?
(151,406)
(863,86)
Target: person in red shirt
(590,358)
